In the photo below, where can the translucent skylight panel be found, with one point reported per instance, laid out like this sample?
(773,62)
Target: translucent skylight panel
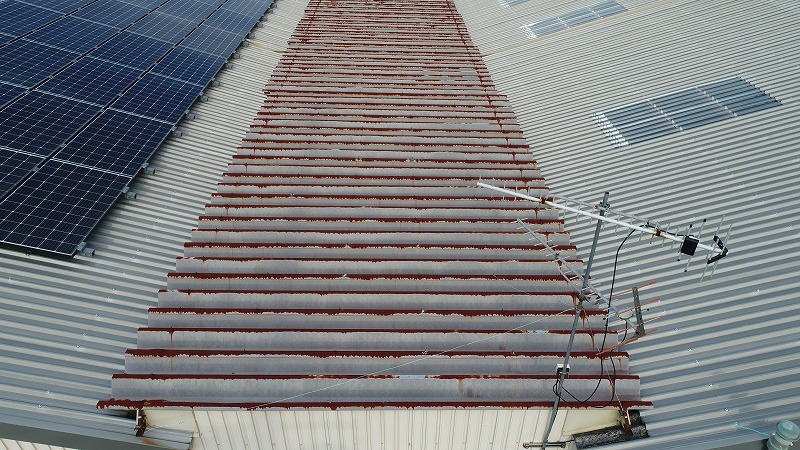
(57,206)
(213,40)
(163,26)
(9,92)
(17,18)
(28,63)
(63,6)
(190,65)
(14,166)
(230,21)
(38,123)
(682,110)
(92,80)
(116,141)
(112,13)
(132,50)
(573,18)
(73,34)
(173,97)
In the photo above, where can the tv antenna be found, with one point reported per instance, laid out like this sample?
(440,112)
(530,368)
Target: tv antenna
(689,244)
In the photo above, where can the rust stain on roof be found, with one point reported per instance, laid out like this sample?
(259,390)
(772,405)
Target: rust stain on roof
(353,198)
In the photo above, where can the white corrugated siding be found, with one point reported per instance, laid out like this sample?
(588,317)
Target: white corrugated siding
(66,323)
(377,429)
(725,350)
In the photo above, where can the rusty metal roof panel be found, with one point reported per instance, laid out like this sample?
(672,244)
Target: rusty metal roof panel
(348,237)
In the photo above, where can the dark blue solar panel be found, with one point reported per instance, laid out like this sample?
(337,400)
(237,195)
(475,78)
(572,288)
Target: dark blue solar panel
(8,93)
(73,34)
(190,65)
(112,12)
(92,80)
(116,141)
(159,97)
(28,63)
(253,8)
(38,123)
(14,166)
(163,26)
(231,21)
(189,9)
(149,4)
(60,5)
(17,18)
(213,40)
(132,50)
(57,207)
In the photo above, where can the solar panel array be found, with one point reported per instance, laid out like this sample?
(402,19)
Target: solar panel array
(88,90)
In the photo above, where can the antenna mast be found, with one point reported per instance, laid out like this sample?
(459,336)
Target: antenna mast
(689,245)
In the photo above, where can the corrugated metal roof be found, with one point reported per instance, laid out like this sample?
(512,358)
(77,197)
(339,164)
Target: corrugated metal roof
(725,351)
(348,241)
(66,323)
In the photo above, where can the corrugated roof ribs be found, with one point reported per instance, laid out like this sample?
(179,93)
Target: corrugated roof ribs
(348,241)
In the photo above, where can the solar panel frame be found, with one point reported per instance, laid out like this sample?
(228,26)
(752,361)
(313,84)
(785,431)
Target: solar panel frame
(231,21)
(132,50)
(73,34)
(63,6)
(17,18)
(39,123)
(28,63)
(92,80)
(112,12)
(57,206)
(190,65)
(162,26)
(189,9)
(115,141)
(174,98)
(215,41)
(14,166)
(9,92)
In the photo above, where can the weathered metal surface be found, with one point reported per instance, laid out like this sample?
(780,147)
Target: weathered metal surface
(725,350)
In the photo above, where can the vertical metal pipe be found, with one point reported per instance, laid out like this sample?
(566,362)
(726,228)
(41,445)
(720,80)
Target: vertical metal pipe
(578,309)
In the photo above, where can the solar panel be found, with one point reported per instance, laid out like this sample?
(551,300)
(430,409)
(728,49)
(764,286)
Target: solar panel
(28,63)
(92,80)
(253,8)
(14,166)
(73,34)
(83,106)
(117,142)
(132,50)
(190,65)
(231,21)
(17,18)
(38,123)
(56,207)
(60,5)
(189,9)
(8,93)
(163,26)
(213,40)
(112,12)
(159,97)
